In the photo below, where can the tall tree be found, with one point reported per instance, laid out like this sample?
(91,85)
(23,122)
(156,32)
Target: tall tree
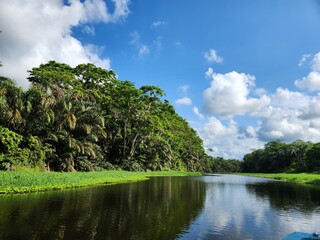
(84,118)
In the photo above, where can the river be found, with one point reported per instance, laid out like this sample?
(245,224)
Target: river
(207,207)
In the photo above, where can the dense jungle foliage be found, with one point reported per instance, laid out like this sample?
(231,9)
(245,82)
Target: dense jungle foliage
(85,119)
(276,156)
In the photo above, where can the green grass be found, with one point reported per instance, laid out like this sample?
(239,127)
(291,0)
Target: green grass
(23,182)
(306,178)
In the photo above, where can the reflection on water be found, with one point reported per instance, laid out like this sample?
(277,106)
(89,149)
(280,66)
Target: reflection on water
(286,196)
(156,209)
(209,207)
(239,207)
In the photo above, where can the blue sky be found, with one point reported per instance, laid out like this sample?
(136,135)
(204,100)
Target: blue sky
(241,72)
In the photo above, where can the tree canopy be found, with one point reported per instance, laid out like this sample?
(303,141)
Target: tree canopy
(84,118)
(277,156)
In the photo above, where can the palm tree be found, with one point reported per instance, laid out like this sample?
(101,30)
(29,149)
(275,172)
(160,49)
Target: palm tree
(77,126)
(11,104)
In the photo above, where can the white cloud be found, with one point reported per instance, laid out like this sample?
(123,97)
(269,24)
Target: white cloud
(251,132)
(93,53)
(287,125)
(209,73)
(212,56)
(184,101)
(90,30)
(197,112)
(96,11)
(316,62)
(121,9)
(143,50)
(312,110)
(184,88)
(229,93)
(288,99)
(285,115)
(290,116)
(279,120)
(303,59)
(312,81)
(226,140)
(34,32)
(158,24)
(260,92)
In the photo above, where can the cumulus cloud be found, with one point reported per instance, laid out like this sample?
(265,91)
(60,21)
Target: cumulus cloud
(229,95)
(312,81)
(34,32)
(226,140)
(96,11)
(289,99)
(286,115)
(287,125)
(212,56)
(184,101)
(312,110)
(290,116)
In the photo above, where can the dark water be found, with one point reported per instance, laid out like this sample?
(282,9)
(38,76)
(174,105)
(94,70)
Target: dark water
(211,207)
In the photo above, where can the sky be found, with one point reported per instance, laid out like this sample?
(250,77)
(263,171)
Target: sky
(242,73)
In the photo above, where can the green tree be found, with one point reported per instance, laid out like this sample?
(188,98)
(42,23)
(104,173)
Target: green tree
(11,104)
(313,158)
(84,118)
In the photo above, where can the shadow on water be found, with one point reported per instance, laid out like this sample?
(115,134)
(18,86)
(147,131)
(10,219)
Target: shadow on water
(284,196)
(204,208)
(238,207)
(155,209)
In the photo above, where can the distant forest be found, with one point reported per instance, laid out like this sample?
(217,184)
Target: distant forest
(277,156)
(85,119)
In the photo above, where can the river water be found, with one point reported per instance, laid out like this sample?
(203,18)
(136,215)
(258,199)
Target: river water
(207,207)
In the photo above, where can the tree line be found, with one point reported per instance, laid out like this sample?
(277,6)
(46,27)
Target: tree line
(84,119)
(277,156)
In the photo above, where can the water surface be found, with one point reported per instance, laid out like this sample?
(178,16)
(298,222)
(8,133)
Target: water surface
(238,207)
(208,207)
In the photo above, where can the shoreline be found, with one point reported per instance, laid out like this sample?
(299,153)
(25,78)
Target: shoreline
(28,182)
(302,178)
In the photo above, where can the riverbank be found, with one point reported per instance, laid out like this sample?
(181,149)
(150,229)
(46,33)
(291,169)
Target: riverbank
(24,182)
(306,178)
